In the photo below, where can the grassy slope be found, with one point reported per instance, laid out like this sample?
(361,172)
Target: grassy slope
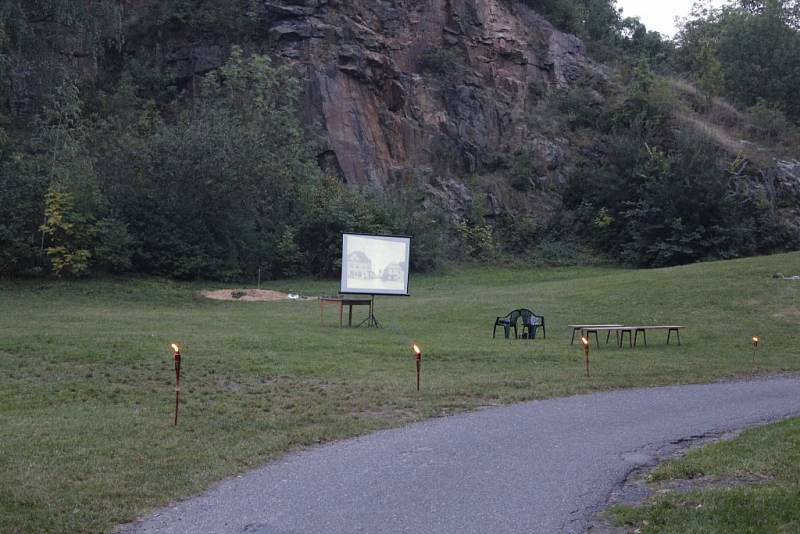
(768,457)
(86,376)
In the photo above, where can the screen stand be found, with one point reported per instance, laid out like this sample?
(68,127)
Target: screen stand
(371,320)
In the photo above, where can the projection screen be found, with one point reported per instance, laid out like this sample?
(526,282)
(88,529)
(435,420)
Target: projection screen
(375,264)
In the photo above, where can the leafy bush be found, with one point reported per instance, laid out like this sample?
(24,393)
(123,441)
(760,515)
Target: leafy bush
(22,192)
(518,235)
(114,246)
(659,196)
(477,241)
(768,121)
(70,234)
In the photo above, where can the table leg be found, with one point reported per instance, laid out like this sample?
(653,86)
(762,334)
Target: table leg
(340,313)
(350,316)
(320,312)
(636,336)
(622,338)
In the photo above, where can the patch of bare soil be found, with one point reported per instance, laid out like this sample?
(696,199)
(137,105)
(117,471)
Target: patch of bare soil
(251,295)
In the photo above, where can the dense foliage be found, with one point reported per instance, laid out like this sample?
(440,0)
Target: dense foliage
(125,168)
(755,44)
(109,163)
(654,192)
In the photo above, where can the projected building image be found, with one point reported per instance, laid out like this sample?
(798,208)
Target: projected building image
(375,264)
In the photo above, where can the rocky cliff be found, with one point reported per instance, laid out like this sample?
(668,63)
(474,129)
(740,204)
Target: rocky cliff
(430,90)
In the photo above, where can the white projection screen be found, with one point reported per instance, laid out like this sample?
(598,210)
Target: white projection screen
(375,264)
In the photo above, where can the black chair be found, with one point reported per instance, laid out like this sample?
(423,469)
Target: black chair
(532,322)
(507,322)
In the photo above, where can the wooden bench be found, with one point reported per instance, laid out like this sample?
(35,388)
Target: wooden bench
(634,331)
(587,329)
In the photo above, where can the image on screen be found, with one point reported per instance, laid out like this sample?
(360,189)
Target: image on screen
(375,264)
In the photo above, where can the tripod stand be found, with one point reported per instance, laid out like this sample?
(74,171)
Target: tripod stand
(371,320)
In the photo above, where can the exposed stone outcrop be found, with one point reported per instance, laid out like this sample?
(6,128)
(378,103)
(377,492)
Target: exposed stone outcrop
(438,88)
(395,91)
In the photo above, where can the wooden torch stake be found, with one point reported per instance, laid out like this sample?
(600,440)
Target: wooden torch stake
(177,384)
(585,342)
(418,358)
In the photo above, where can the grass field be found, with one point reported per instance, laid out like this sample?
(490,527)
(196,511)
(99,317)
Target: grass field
(757,479)
(86,377)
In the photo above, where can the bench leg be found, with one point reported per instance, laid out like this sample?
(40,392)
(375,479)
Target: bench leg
(678,333)
(573,336)
(622,338)
(636,336)
(596,339)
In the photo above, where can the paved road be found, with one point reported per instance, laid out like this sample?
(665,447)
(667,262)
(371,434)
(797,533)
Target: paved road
(545,466)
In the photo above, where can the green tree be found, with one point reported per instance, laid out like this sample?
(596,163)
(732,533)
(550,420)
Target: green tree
(760,56)
(757,45)
(211,192)
(22,193)
(710,81)
(69,234)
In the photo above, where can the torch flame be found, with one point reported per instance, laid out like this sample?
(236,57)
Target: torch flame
(416,348)
(175,347)
(584,341)
(755,339)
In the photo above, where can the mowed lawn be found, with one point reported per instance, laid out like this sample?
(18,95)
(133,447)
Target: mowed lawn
(87,383)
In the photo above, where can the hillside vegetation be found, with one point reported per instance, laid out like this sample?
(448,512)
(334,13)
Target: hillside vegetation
(164,138)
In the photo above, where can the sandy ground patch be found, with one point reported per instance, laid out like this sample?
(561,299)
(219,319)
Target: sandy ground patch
(251,295)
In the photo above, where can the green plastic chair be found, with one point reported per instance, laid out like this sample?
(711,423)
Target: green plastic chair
(531,322)
(507,322)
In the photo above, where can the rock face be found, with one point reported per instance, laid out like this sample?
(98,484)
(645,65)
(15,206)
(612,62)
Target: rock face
(395,91)
(402,89)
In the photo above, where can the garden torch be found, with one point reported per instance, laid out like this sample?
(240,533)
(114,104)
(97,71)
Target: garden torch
(177,350)
(418,357)
(585,342)
(755,346)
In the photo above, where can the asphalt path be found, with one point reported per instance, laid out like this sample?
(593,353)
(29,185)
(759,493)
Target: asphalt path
(544,466)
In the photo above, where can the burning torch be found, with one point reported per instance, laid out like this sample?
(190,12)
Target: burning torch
(418,358)
(585,342)
(177,350)
(755,346)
